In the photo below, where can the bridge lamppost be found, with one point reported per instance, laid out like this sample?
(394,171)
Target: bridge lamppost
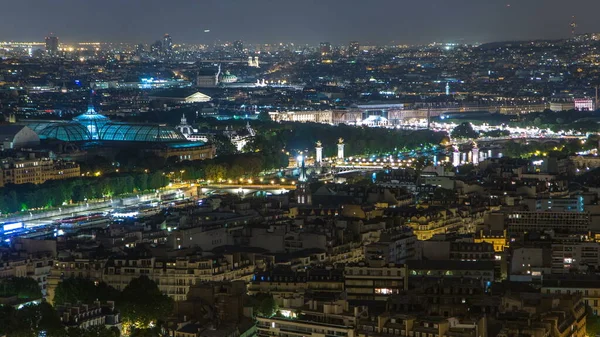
(319,151)
(340,154)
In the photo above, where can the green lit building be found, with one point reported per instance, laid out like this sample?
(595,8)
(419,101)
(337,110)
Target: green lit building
(92,129)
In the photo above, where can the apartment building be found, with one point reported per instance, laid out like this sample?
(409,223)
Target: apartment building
(394,246)
(570,257)
(498,239)
(284,282)
(564,315)
(388,325)
(427,223)
(86,316)
(174,276)
(375,280)
(36,171)
(519,222)
(480,270)
(587,286)
(303,116)
(331,318)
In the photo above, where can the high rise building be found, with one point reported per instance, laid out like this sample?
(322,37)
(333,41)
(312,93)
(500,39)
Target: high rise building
(354,48)
(52,45)
(325,49)
(156,48)
(140,49)
(238,46)
(167,44)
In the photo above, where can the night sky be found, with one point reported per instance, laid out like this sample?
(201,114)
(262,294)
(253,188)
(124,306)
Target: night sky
(299,21)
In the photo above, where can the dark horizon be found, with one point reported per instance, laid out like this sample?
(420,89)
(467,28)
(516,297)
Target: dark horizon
(307,22)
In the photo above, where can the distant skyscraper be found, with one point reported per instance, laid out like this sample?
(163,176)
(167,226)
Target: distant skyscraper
(51,45)
(238,46)
(139,49)
(447,88)
(325,49)
(573,25)
(156,48)
(354,48)
(167,45)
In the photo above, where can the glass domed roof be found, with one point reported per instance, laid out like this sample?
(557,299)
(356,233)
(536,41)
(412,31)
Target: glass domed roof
(68,132)
(92,121)
(38,126)
(139,133)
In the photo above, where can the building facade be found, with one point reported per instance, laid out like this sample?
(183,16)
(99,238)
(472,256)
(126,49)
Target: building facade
(36,171)
(374,281)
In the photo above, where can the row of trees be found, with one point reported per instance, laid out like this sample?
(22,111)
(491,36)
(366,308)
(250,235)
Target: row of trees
(581,121)
(561,120)
(534,149)
(273,138)
(54,193)
(228,166)
(14,198)
(496,133)
(24,288)
(244,165)
(464,131)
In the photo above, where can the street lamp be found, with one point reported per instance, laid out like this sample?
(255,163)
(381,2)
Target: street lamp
(181,175)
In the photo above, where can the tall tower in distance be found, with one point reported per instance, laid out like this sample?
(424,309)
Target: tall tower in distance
(238,47)
(354,49)
(573,26)
(167,44)
(51,45)
(447,88)
(325,48)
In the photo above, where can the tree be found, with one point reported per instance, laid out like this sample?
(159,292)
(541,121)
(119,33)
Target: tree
(94,331)
(464,130)
(73,290)
(141,182)
(263,304)
(223,145)
(49,320)
(497,133)
(263,116)
(151,332)
(236,171)
(22,287)
(142,303)
(215,172)
(592,326)
(30,320)
(466,169)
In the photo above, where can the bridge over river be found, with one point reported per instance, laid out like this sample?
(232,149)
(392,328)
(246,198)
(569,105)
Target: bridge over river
(246,189)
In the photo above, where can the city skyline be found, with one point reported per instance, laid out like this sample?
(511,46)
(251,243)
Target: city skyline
(308,22)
